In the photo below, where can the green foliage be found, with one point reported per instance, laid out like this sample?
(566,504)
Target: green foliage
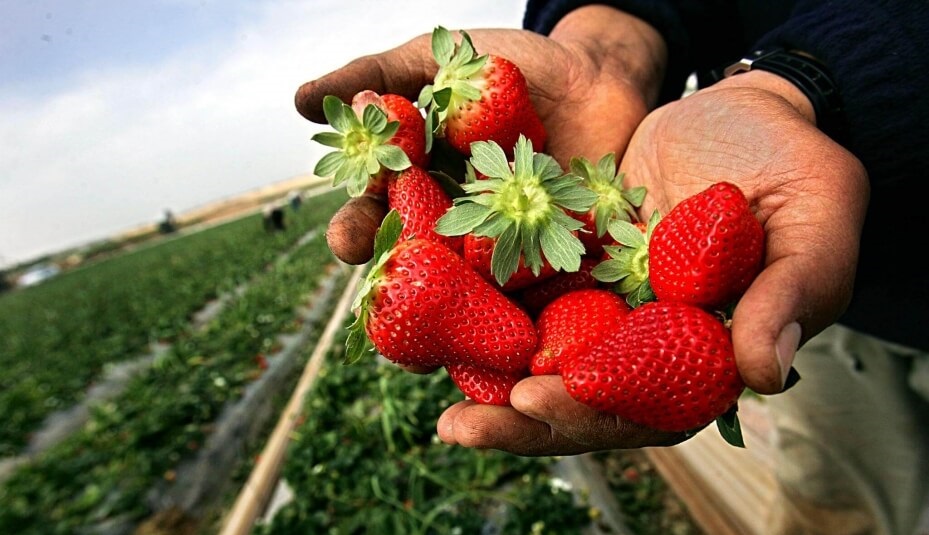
(103,472)
(57,337)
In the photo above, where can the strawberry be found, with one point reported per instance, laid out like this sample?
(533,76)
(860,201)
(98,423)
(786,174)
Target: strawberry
(670,366)
(534,297)
(477,98)
(523,207)
(707,250)
(422,305)
(613,200)
(376,135)
(485,385)
(572,324)
(420,201)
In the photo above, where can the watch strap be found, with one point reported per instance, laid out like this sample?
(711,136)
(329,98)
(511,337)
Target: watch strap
(808,75)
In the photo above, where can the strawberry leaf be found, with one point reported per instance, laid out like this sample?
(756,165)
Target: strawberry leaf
(391,157)
(329,164)
(505,258)
(488,158)
(330,139)
(357,342)
(374,119)
(562,249)
(626,233)
(729,427)
(462,219)
(387,235)
(443,45)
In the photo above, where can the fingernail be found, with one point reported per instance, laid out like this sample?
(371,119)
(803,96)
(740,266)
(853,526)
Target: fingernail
(786,347)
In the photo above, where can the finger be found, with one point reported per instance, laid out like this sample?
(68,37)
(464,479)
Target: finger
(543,420)
(811,254)
(403,70)
(544,398)
(351,230)
(474,425)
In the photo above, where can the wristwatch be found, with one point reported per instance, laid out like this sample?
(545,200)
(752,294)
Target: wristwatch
(809,75)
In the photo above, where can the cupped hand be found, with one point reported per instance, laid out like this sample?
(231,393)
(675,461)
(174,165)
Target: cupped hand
(810,195)
(584,68)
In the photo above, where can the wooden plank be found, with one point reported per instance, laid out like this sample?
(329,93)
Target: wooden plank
(257,491)
(726,489)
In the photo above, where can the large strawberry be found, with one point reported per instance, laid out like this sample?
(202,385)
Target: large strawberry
(420,201)
(485,385)
(670,366)
(707,250)
(572,324)
(422,305)
(614,201)
(477,97)
(377,134)
(523,207)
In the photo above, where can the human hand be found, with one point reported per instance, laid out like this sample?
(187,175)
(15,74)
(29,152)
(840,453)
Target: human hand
(754,130)
(584,67)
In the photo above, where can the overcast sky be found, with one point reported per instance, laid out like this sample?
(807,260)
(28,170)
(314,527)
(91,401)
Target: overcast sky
(113,110)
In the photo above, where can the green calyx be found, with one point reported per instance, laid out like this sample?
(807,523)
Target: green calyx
(522,207)
(452,83)
(362,145)
(384,241)
(628,263)
(613,200)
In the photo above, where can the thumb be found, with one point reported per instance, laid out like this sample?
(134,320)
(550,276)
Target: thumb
(403,70)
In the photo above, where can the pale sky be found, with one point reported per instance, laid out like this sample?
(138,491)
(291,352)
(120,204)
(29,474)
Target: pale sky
(113,111)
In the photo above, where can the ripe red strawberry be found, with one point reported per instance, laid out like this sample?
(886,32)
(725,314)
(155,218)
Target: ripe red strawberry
(670,366)
(574,323)
(477,98)
(376,135)
(420,201)
(536,296)
(524,207)
(421,305)
(707,250)
(411,133)
(613,200)
(485,385)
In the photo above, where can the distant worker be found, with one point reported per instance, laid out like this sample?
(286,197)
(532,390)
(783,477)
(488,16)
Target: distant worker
(296,200)
(273,217)
(168,223)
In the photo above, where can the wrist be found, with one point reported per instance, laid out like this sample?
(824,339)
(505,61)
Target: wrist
(820,103)
(772,83)
(618,44)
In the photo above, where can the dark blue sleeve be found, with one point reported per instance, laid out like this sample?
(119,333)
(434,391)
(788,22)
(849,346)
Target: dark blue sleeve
(876,52)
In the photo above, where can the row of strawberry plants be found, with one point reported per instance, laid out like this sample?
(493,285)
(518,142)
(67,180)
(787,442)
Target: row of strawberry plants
(103,473)
(366,460)
(56,338)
